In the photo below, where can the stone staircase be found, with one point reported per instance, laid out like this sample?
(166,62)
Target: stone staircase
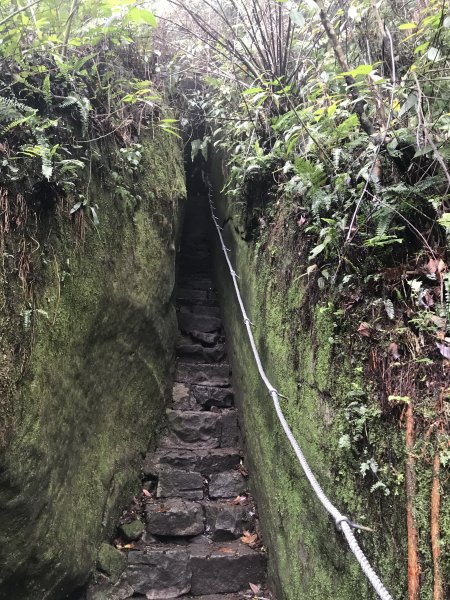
(201,536)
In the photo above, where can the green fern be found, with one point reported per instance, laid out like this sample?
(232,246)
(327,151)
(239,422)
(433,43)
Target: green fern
(84,107)
(46,89)
(383,219)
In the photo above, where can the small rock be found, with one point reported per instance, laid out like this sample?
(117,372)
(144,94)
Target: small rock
(111,561)
(132,531)
(226,521)
(180,392)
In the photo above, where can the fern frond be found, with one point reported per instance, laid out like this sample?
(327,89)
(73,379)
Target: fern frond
(69,101)
(383,219)
(46,89)
(84,108)
(14,124)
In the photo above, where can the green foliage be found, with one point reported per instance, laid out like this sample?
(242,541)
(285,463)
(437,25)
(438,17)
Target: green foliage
(64,62)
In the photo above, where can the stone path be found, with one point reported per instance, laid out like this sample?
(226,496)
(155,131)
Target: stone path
(200,538)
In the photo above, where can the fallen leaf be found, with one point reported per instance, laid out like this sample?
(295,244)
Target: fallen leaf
(441,266)
(438,321)
(249,538)
(255,588)
(128,546)
(364,329)
(239,500)
(393,349)
(146,493)
(225,550)
(432,266)
(426,299)
(242,470)
(444,350)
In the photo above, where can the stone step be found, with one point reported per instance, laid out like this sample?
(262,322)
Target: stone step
(210,311)
(201,397)
(197,322)
(226,521)
(208,301)
(208,396)
(191,429)
(190,485)
(196,283)
(180,484)
(174,517)
(227,484)
(203,374)
(204,461)
(199,568)
(196,353)
(236,596)
(200,265)
(207,339)
(191,294)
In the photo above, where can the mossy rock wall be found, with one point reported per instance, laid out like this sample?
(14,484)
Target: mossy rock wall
(87,364)
(296,336)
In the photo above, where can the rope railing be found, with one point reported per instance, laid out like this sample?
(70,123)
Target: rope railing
(343,523)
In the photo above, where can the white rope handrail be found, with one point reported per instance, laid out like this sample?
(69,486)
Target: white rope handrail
(343,523)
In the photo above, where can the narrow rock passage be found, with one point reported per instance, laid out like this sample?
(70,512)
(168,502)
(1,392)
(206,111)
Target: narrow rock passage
(200,519)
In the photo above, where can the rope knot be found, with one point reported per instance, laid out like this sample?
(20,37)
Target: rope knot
(339,520)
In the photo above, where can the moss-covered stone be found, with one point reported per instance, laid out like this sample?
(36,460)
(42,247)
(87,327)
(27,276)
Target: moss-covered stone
(111,561)
(320,373)
(88,360)
(133,530)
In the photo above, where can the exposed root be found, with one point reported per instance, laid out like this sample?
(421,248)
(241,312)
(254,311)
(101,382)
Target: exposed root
(435,531)
(410,481)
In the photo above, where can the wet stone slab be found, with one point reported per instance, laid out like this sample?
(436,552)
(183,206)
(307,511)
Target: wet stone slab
(208,396)
(180,484)
(227,485)
(203,374)
(225,568)
(175,518)
(204,461)
(159,573)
